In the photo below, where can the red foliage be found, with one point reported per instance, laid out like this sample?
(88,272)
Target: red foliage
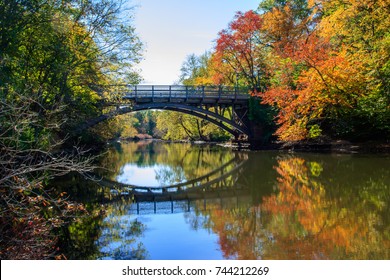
(238,48)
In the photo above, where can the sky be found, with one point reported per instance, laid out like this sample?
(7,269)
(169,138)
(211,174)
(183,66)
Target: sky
(173,29)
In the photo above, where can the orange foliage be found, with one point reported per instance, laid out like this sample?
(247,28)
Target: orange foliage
(316,61)
(323,225)
(302,220)
(239,49)
(325,62)
(327,79)
(280,28)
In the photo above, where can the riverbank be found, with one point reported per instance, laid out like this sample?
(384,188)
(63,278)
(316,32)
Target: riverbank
(339,146)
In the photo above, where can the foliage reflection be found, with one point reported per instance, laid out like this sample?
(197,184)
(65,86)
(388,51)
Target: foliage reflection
(279,206)
(317,211)
(173,163)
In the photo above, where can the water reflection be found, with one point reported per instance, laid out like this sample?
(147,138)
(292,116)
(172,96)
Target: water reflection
(154,176)
(279,206)
(310,215)
(161,164)
(118,238)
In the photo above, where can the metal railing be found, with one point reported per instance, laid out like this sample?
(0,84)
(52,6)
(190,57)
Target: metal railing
(179,91)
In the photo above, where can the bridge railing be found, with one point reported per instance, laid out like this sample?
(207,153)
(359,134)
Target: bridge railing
(172,91)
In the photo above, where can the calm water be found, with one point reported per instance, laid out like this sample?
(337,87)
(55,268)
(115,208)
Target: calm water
(246,205)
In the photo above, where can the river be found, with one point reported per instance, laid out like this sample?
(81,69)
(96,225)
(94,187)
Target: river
(211,202)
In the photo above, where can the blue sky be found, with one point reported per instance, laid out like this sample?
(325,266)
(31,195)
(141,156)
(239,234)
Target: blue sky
(173,29)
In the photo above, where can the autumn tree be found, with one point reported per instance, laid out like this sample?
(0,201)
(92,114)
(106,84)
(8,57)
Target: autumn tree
(241,51)
(322,71)
(285,21)
(361,32)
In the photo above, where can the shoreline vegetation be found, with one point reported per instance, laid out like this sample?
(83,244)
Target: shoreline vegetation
(329,146)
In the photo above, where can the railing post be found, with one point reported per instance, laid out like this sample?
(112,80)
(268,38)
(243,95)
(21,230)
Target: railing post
(170,93)
(202,93)
(152,93)
(186,93)
(219,92)
(135,90)
(235,93)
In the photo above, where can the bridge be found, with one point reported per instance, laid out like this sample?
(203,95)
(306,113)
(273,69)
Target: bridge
(226,107)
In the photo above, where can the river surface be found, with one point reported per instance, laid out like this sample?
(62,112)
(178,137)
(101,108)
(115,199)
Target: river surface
(217,203)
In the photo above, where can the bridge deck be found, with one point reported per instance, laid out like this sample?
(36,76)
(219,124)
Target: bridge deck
(187,94)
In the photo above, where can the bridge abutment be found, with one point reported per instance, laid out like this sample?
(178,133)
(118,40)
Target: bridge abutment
(257,137)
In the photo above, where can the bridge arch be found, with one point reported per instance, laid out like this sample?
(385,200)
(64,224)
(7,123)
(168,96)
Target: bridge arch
(207,115)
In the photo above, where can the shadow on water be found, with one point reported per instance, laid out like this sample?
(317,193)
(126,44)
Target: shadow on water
(246,205)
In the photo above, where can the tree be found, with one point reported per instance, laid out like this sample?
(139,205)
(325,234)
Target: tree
(285,21)
(241,51)
(30,213)
(65,53)
(361,32)
(322,79)
(55,62)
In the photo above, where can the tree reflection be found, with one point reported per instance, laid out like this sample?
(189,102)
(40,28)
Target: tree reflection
(109,231)
(118,239)
(309,216)
(107,224)
(174,163)
(279,206)
(311,220)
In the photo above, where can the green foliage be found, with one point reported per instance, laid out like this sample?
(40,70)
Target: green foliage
(63,53)
(56,60)
(146,122)
(195,70)
(178,126)
(314,131)
(262,115)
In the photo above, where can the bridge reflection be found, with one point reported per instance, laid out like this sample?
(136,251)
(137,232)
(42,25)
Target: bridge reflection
(218,185)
